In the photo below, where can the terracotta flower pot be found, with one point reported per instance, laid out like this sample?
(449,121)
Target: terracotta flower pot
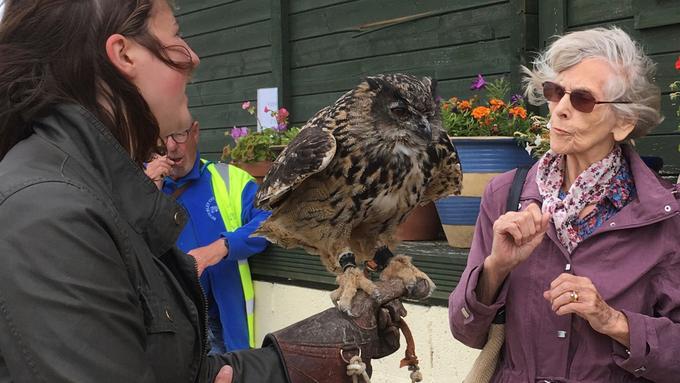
(421,225)
(257,169)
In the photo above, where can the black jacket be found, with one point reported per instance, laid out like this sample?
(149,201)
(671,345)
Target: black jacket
(92,288)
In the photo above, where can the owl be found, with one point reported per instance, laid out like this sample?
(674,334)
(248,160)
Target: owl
(354,173)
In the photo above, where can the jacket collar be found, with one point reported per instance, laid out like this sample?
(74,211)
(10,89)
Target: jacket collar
(655,199)
(101,162)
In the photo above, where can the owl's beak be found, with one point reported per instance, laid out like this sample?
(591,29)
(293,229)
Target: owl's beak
(425,129)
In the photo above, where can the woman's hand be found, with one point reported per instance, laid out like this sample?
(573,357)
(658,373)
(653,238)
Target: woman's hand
(516,235)
(569,294)
(158,168)
(225,375)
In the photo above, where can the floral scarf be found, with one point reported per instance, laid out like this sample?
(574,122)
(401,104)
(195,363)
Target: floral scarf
(590,187)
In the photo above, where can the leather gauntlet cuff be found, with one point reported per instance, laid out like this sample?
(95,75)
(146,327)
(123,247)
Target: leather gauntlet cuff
(318,348)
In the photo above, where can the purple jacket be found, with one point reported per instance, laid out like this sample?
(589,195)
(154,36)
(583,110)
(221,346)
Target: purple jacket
(633,260)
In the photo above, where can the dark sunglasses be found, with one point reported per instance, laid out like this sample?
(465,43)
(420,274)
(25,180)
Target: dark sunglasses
(581,100)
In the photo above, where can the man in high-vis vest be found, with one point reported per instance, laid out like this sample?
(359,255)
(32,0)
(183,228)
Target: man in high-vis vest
(219,199)
(327,346)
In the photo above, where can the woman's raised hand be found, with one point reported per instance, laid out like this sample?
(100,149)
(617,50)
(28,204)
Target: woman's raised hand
(516,235)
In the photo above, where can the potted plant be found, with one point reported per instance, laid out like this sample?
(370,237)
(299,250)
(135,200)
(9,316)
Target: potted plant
(492,134)
(254,152)
(675,96)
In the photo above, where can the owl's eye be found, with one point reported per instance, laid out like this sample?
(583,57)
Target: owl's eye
(399,111)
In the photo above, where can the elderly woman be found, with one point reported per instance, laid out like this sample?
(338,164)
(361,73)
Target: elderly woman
(589,269)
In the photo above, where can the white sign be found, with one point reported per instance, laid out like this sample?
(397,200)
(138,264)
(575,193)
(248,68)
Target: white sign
(267,99)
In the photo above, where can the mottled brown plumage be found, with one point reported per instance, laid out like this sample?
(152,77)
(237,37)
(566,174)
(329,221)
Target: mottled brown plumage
(354,173)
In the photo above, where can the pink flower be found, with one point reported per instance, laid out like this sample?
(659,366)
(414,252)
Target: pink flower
(677,64)
(266,109)
(239,132)
(245,105)
(281,116)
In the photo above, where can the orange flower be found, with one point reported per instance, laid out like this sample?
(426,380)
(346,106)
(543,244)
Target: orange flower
(446,106)
(480,112)
(496,104)
(518,111)
(464,105)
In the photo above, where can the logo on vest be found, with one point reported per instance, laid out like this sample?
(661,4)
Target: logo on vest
(211,209)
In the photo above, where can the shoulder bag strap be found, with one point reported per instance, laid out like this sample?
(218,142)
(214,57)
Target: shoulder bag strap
(512,204)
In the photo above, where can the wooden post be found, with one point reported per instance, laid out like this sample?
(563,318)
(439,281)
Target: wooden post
(281,50)
(553,20)
(523,38)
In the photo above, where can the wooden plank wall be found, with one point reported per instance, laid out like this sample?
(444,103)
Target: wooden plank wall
(233,38)
(315,50)
(333,47)
(333,44)
(653,23)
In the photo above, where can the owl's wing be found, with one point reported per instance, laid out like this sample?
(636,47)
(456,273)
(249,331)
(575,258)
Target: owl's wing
(307,154)
(447,175)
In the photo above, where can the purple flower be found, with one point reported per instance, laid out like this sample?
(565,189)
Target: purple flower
(239,132)
(281,127)
(516,99)
(438,99)
(479,83)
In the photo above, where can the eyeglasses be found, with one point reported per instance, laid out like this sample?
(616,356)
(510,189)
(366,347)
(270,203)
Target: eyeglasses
(581,100)
(179,138)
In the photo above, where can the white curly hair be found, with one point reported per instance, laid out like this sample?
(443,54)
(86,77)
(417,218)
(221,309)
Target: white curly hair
(634,73)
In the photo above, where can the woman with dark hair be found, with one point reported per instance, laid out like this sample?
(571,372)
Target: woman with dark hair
(92,288)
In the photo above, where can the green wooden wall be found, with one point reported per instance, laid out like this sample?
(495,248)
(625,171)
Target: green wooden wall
(315,50)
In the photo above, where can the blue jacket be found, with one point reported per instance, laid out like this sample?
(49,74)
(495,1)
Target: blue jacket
(221,282)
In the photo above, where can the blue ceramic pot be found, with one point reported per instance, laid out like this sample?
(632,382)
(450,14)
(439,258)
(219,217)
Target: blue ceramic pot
(482,158)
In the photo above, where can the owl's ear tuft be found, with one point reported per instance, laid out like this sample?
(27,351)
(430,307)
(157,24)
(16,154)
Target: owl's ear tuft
(433,86)
(376,83)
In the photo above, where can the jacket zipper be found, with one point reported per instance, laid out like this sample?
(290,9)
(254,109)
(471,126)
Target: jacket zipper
(204,338)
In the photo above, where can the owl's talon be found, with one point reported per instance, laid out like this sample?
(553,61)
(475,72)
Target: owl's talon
(349,281)
(418,285)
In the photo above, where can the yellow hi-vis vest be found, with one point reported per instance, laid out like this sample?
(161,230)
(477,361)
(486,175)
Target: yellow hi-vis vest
(228,183)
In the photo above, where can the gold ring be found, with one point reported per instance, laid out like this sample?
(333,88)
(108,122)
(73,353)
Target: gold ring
(573,296)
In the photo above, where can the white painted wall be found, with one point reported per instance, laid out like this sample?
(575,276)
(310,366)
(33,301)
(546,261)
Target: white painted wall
(442,358)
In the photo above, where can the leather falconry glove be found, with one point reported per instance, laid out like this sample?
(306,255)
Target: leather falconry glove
(319,348)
